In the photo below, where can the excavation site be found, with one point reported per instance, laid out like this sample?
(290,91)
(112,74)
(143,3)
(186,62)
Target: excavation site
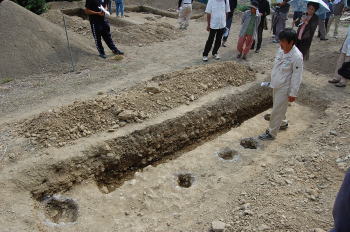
(158,140)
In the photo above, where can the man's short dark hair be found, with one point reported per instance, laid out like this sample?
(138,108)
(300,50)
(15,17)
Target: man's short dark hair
(289,35)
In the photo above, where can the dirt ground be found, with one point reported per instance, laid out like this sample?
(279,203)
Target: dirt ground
(48,118)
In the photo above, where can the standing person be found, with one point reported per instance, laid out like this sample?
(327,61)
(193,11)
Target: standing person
(109,6)
(307,28)
(249,30)
(341,208)
(185,12)
(344,56)
(216,17)
(100,27)
(280,18)
(286,78)
(233,5)
(264,10)
(119,8)
(329,15)
(338,8)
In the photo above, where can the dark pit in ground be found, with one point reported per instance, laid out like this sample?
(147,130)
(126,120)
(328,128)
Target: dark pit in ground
(60,210)
(185,180)
(250,143)
(228,154)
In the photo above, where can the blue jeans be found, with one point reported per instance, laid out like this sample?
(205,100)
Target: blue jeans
(119,8)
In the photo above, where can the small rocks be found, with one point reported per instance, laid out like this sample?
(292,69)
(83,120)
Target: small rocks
(153,87)
(333,132)
(128,115)
(250,143)
(218,226)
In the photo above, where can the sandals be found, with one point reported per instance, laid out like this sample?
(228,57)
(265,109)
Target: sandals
(340,85)
(333,81)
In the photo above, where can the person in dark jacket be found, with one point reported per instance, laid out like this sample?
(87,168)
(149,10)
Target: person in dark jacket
(306,29)
(341,209)
(264,10)
(229,18)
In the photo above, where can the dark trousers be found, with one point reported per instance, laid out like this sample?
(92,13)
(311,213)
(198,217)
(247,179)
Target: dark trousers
(217,35)
(102,29)
(260,34)
(228,27)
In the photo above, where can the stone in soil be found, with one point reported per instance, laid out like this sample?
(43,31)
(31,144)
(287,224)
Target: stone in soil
(218,226)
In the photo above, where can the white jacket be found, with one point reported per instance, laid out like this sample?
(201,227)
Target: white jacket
(288,71)
(346,45)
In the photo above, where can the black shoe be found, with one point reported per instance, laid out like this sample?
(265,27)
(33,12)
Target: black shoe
(102,56)
(118,52)
(324,39)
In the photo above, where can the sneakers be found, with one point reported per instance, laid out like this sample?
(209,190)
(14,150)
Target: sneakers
(223,44)
(257,51)
(205,58)
(216,56)
(341,85)
(266,136)
(239,55)
(118,52)
(103,56)
(334,81)
(244,57)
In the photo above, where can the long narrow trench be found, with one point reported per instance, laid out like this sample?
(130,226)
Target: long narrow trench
(111,162)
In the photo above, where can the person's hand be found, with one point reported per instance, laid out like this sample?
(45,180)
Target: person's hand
(208,28)
(291,99)
(101,13)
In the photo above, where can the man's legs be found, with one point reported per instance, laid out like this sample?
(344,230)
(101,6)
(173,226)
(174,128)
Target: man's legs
(279,110)
(96,29)
(228,28)
(107,37)
(260,33)
(322,29)
(280,25)
(336,24)
(122,9)
(209,42)
(218,39)
(342,58)
(117,7)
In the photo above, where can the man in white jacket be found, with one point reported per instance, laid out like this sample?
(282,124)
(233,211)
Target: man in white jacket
(286,78)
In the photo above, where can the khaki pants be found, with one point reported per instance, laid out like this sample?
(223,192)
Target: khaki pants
(342,58)
(279,109)
(336,19)
(185,13)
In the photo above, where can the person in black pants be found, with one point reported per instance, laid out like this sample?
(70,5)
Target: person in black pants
(216,17)
(100,26)
(264,10)
(229,18)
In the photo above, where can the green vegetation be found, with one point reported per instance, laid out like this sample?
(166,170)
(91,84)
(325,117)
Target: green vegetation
(36,6)
(5,80)
(242,8)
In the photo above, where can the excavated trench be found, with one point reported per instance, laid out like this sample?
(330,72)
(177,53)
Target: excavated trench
(113,161)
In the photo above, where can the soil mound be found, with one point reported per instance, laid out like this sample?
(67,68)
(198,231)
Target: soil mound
(164,92)
(30,44)
(132,34)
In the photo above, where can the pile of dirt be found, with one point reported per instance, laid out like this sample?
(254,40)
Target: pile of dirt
(132,34)
(164,92)
(31,44)
(163,4)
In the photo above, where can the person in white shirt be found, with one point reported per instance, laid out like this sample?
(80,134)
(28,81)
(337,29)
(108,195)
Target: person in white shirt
(185,12)
(286,78)
(216,17)
(344,56)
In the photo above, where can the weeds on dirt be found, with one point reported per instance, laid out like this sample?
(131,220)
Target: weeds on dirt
(6,80)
